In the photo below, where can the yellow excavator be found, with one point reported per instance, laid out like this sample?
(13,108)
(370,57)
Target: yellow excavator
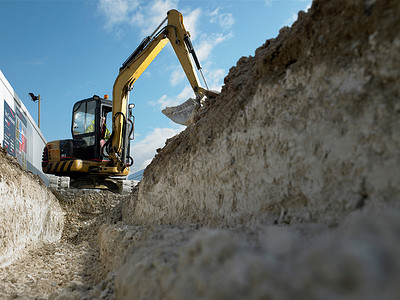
(98,158)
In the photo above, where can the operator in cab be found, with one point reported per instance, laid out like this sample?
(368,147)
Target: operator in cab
(105,134)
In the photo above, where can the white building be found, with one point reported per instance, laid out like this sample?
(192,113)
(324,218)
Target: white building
(19,133)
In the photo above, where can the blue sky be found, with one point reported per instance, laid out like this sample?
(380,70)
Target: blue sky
(71,50)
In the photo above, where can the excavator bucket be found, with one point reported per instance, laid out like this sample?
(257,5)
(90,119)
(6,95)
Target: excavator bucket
(183,113)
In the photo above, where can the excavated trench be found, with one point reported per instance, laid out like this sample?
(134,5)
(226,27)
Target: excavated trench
(286,187)
(70,261)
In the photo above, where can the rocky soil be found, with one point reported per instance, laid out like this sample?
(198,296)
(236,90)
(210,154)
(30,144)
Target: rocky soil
(286,187)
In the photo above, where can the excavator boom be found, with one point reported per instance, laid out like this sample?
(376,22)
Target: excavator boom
(137,63)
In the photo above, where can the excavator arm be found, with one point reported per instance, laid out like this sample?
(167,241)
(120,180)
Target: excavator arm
(137,63)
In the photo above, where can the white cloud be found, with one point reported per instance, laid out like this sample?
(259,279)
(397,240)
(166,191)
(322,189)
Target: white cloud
(191,20)
(185,94)
(224,20)
(144,15)
(289,21)
(177,76)
(150,14)
(116,11)
(143,151)
(165,100)
(294,16)
(268,2)
(207,44)
(215,79)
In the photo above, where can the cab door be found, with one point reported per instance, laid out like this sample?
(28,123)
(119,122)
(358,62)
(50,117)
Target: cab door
(86,129)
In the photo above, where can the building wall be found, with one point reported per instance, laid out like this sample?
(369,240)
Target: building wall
(19,133)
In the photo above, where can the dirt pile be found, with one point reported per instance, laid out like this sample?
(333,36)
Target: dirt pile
(304,131)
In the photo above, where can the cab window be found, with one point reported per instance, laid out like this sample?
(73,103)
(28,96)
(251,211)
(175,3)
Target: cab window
(84,117)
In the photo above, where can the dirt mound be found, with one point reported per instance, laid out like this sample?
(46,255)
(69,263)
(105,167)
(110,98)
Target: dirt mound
(304,131)
(305,136)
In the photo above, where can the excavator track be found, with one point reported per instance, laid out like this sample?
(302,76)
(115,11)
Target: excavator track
(115,185)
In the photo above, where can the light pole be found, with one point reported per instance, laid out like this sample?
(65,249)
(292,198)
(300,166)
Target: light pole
(34,99)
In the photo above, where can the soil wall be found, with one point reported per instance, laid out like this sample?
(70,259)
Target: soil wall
(29,212)
(307,130)
(288,184)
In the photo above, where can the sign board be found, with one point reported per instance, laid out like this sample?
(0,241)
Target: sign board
(19,133)
(9,129)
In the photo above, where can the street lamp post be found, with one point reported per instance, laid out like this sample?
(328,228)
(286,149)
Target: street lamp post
(34,99)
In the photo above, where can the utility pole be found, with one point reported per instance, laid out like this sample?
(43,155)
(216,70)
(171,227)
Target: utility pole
(34,99)
(39,112)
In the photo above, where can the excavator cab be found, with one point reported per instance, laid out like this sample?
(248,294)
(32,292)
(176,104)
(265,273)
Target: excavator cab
(89,127)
